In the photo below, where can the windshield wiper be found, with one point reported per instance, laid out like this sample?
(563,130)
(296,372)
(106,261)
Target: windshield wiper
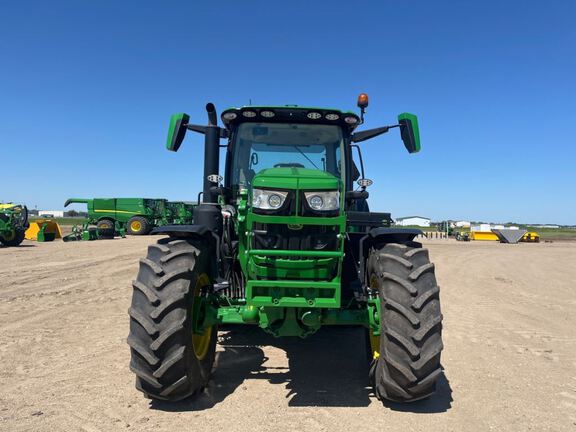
(304,154)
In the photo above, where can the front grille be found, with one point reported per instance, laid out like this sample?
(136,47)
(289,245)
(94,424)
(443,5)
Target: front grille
(286,237)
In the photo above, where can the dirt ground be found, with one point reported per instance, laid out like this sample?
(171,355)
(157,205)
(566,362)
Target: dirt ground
(509,358)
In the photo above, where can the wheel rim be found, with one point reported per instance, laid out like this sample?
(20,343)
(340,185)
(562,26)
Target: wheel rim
(374,340)
(201,341)
(135,226)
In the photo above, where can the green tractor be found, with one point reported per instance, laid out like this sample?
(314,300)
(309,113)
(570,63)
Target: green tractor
(286,241)
(13,224)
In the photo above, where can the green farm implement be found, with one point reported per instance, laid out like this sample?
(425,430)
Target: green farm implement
(86,232)
(13,224)
(139,215)
(285,241)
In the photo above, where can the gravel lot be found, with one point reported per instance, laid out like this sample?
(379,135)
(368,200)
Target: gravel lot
(509,358)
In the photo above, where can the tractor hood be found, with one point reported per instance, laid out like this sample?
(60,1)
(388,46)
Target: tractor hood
(295,178)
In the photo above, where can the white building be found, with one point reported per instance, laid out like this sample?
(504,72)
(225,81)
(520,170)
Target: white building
(462,224)
(413,220)
(51,213)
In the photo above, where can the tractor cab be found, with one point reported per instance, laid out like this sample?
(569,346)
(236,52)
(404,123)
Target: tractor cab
(267,146)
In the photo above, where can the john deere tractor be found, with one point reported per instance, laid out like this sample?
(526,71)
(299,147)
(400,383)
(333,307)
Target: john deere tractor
(13,224)
(286,241)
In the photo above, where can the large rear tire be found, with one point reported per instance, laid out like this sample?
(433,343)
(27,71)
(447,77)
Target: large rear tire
(170,360)
(406,362)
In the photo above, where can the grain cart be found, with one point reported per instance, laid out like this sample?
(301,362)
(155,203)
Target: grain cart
(285,241)
(13,224)
(139,215)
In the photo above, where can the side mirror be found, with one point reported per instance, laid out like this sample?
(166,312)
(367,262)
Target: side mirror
(177,131)
(409,132)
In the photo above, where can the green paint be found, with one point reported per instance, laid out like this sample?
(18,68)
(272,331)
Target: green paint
(295,178)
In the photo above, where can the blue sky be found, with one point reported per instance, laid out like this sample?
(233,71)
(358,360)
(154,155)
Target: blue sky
(87,89)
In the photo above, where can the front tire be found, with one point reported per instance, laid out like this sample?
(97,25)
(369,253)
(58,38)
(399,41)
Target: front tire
(407,355)
(170,360)
(106,228)
(14,239)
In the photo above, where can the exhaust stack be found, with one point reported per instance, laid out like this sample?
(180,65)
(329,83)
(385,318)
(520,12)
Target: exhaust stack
(211,154)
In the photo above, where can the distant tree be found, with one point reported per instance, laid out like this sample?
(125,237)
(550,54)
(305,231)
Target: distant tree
(72,213)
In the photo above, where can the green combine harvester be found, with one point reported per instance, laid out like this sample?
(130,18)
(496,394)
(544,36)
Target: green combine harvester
(139,215)
(286,241)
(13,224)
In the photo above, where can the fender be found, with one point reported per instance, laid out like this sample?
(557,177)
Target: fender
(381,236)
(197,231)
(393,235)
(183,230)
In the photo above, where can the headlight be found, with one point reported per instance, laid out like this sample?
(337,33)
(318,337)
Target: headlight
(268,199)
(323,201)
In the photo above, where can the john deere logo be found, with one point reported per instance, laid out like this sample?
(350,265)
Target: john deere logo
(295,226)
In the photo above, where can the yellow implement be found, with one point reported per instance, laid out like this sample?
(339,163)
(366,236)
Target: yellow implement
(43,230)
(531,237)
(483,235)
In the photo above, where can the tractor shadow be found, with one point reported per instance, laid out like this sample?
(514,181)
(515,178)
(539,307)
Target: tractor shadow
(327,369)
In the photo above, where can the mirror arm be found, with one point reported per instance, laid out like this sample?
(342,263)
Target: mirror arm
(203,129)
(371,133)
(197,128)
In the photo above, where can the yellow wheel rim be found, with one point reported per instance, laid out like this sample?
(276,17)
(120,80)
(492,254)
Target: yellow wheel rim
(135,226)
(374,340)
(201,342)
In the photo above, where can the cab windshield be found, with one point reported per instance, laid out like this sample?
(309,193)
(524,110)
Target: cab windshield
(258,146)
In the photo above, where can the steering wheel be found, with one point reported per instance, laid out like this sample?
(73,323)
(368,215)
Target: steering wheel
(289,165)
